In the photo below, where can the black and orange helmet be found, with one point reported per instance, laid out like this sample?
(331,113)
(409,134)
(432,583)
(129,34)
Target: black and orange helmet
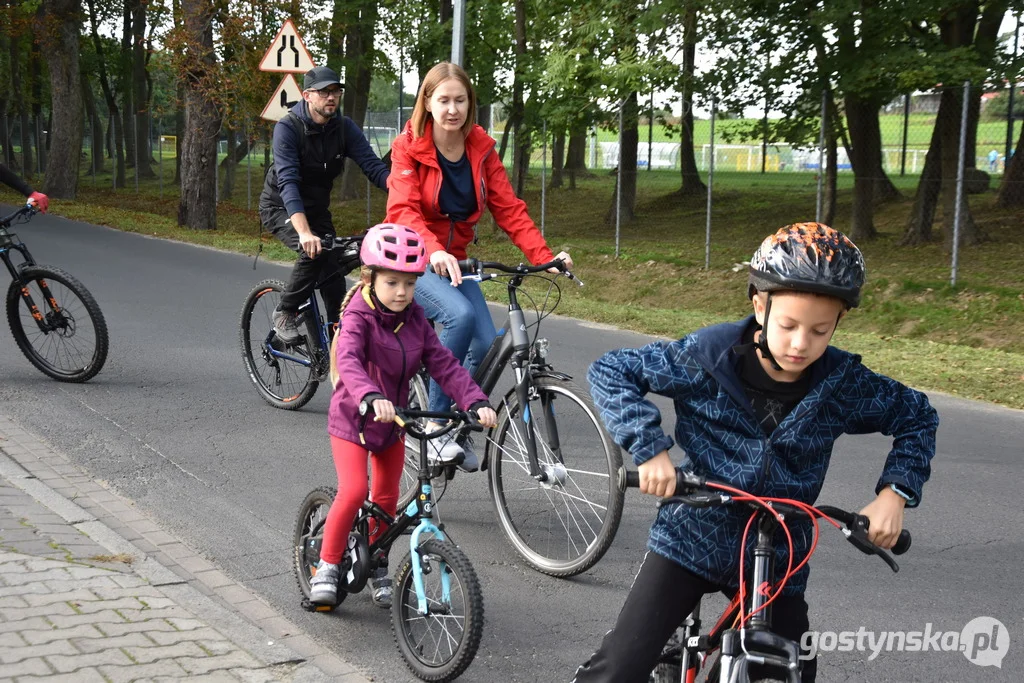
(808,257)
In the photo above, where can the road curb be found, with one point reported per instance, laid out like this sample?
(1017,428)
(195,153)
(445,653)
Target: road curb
(190,581)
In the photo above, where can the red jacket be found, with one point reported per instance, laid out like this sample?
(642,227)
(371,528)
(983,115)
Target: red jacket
(415,185)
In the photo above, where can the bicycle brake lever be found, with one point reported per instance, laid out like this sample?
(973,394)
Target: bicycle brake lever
(859,539)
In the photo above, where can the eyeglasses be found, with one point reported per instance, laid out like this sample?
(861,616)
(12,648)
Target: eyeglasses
(329,92)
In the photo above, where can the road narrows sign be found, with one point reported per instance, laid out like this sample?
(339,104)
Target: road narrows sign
(287,54)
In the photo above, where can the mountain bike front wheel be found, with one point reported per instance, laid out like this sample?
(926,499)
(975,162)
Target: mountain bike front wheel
(564,524)
(57,324)
(441,644)
(283,383)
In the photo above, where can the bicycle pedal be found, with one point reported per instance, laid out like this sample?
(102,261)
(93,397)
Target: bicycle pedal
(313,607)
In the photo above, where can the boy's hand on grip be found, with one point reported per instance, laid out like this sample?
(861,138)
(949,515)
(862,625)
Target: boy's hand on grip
(885,513)
(658,476)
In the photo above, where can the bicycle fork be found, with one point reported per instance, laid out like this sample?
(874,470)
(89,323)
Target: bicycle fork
(426,525)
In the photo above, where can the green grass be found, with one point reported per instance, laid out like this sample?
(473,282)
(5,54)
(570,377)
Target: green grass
(967,341)
(991,134)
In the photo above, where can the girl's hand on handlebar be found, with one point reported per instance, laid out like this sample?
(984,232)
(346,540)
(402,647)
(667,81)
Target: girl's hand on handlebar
(885,513)
(658,476)
(383,410)
(446,265)
(564,256)
(487,417)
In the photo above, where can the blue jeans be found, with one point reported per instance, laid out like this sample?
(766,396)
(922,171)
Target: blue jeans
(467,330)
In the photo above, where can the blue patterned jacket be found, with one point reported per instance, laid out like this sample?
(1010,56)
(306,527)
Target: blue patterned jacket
(717,429)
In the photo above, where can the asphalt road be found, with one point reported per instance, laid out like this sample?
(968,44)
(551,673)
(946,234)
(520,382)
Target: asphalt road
(173,423)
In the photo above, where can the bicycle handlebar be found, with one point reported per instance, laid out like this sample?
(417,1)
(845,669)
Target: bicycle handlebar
(693,490)
(329,242)
(475,267)
(27,210)
(405,418)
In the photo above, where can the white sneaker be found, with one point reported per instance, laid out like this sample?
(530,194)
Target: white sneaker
(444,450)
(323,587)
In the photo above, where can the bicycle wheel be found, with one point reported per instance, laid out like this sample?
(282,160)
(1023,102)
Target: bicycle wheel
(411,469)
(309,536)
(441,644)
(282,383)
(564,525)
(667,672)
(65,337)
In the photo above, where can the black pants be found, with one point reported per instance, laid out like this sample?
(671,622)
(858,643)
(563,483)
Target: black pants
(662,596)
(308,274)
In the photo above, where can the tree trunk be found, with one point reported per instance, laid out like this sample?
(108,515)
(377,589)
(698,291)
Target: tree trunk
(926,200)
(949,127)
(626,173)
(59,34)
(359,49)
(691,182)
(95,126)
(1011,189)
(19,98)
(140,96)
(179,131)
(518,112)
(576,155)
(198,205)
(35,72)
(229,165)
(862,121)
(126,83)
(108,95)
(557,159)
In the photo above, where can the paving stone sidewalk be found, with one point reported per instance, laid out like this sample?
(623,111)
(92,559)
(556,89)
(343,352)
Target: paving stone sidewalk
(92,590)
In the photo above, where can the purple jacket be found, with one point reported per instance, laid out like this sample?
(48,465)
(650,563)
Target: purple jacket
(378,353)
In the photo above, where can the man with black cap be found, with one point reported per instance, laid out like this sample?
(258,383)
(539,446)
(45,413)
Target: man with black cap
(311,143)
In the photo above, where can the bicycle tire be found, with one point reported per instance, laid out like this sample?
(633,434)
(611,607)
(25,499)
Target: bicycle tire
(64,312)
(532,522)
(458,630)
(407,487)
(308,537)
(283,384)
(667,672)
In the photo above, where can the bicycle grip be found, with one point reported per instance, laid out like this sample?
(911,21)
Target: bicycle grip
(633,480)
(902,543)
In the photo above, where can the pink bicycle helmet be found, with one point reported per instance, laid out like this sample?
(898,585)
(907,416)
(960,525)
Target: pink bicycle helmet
(394,247)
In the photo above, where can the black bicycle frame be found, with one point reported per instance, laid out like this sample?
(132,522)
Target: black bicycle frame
(513,346)
(9,241)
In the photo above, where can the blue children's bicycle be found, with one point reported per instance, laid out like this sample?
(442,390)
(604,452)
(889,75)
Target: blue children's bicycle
(437,612)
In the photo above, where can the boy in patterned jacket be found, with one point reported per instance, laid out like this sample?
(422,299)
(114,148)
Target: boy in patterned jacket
(759,404)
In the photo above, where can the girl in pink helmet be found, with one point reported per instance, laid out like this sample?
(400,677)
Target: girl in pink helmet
(382,341)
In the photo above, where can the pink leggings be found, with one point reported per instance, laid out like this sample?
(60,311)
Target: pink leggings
(350,462)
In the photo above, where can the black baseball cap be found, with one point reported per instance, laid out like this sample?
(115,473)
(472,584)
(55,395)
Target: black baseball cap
(320,77)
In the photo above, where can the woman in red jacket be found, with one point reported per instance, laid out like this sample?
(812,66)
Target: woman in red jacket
(445,171)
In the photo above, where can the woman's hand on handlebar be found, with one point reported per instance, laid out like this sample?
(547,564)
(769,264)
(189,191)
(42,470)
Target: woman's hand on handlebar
(487,417)
(658,476)
(885,513)
(383,410)
(567,260)
(446,265)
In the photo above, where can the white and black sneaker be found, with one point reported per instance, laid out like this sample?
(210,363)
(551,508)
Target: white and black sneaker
(444,450)
(382,588)
(323,587)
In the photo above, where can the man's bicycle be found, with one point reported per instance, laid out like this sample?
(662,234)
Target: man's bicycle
(287,375)
(553,468)
(437,612)
(54,319)
(742,637)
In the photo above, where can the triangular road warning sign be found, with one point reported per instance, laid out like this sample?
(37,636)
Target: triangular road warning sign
(287,54)
(287,94)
